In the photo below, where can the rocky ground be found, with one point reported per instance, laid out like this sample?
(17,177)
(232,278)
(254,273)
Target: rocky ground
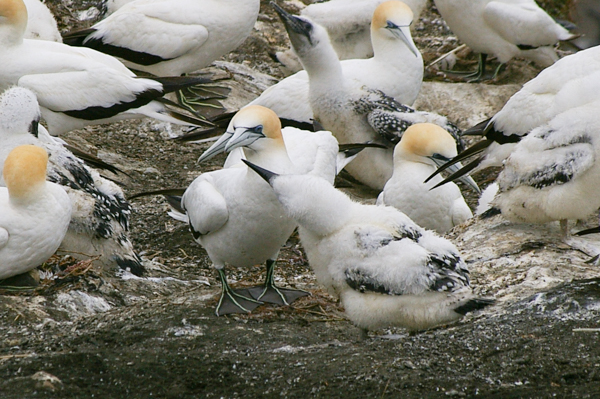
(87,332)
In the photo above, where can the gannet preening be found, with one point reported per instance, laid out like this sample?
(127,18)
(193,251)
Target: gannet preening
(347,22)
(40,22)
(571,82)
(76,87)
(353,113)
(99,223)
(423,147)
(34,213)
(170,37)
(396,67)
(504,29)
(386,270)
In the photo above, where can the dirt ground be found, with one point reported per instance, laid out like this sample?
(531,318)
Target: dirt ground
(97,333)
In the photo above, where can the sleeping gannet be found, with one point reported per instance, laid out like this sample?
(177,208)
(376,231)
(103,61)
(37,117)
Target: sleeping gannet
(40,22)
(386,270)
(396,67)
(99,223)
(504,29)
(76,87)
(423,147)
(34,213)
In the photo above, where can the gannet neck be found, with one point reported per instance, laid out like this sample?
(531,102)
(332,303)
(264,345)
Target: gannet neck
(13,22)
(25,173)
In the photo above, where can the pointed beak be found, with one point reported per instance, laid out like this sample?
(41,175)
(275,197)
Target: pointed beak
(403,33)
(293,24)
(265,174)
(243,137)
(217,148)
(466,179)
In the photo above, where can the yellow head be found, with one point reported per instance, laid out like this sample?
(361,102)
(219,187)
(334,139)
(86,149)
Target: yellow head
(257,115)
(25,171)
(424,140)
(394,11)
(13,15)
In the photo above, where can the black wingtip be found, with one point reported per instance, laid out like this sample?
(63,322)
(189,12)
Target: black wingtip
(477,130)
(165,192)
(474,149)
(593,230)
(490,213)
(133,265)
(474,304)
(264,173)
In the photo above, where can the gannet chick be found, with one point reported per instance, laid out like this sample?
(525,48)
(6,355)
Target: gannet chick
(235,215)
(396,67)
(76,87)
(353,113)
(423,147)
(170,37)
(99,223)
(34,213)
(40,22)
(504,29)
(386,270)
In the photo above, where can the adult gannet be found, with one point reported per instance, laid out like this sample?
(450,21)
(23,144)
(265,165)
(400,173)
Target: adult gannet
(78,86)
(353,113)
(347,22)
(423,147)
(235,215)
(396,67)
(99,223)
(40,22)
(170,37)
(34,213)
(386,270)
(504,29)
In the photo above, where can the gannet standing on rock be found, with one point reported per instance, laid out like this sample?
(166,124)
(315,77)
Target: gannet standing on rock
(423,147)
(353,113)
(99,223)
(34,213)
(504,29)
(386,270)
(396,67)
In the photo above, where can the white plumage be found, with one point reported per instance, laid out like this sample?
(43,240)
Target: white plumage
(171,37)
(40,22)
(386,270)
(396,67)
(422,147)
(34,214)
(100,219)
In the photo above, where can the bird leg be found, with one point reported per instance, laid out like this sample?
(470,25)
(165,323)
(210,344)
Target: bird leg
(232,301)
(202,100)
(477,75)
(269,292)
(579,244)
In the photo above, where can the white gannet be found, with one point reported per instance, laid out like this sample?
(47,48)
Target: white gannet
(34,213)
(353,113)
(386,270)
(347,22)
(504,29)
(76,87)
(423,147)
(170,37)
(40,22)
(571,82)
(100,219)
(396,67)
(235,215)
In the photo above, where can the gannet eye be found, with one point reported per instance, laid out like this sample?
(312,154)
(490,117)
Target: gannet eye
(256,129)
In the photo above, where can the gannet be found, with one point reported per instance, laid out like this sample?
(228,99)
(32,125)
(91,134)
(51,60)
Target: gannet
(34,213)
(571,82)
(386,270)
(235,215)
(504,29)
(353,113)
(40,22)
(423,147)
(100,219)
(396,67)
(347,22)
(76,87)
(170,37)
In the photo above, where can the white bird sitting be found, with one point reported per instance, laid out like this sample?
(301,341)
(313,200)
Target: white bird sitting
(423,147)
(504,29)
(34,213)
(76,87)
(100,219)
(386,270)
(40,22)
(347,22)
(571,82)
(396,67)
(353,113)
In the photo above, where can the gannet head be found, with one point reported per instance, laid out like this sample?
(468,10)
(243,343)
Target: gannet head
(19,112)
(392,20)
(13,21)
(252,124)
(25,172)
(426,143)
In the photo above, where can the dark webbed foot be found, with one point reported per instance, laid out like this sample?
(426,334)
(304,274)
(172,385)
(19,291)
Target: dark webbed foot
(269,292)
(234,301)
